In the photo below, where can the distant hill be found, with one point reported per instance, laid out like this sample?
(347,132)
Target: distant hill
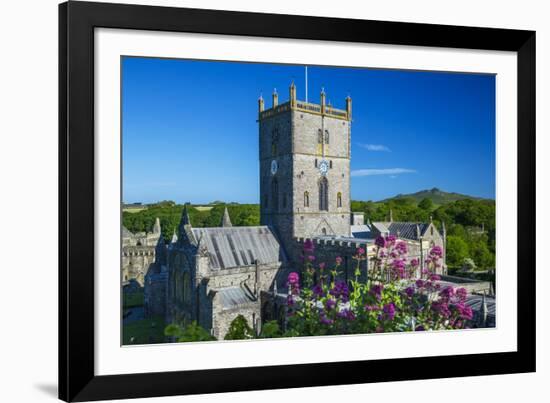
(437,196)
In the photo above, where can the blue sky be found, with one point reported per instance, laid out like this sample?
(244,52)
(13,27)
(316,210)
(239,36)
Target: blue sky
(190,130)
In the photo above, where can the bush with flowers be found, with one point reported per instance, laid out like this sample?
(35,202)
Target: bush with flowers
(391,297)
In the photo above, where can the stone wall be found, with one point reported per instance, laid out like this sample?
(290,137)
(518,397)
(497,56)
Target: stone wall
(222,318)
(136,261)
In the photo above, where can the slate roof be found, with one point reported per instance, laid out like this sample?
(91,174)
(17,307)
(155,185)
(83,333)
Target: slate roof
(406,230)
(361,231)
(475,301)
(232,297)
(231,247)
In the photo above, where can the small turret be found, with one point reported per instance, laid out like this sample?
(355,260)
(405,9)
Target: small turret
(348,107)
(226,220)
(174,237)
(260,104)
(160,253)
(292,91)
(275,98)
(483,311)
(156,226)
(323,100)
(185,220)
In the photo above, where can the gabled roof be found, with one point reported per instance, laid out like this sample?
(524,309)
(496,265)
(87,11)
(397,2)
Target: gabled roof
(405,230)
(230,247)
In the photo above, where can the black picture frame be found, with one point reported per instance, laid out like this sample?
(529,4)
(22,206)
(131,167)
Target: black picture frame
(77,21)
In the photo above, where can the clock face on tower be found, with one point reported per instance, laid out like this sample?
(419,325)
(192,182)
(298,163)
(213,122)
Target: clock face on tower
(274,167)
(323,167)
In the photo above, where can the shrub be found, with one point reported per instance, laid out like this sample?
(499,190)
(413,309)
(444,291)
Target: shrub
(191,332)
(239,329)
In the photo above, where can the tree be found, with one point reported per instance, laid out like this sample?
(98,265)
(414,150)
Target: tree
(270,329)
(426,204)
(481,255)
(457,251)
(239,329)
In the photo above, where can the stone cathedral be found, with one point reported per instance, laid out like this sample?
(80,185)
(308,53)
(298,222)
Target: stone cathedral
(212,275)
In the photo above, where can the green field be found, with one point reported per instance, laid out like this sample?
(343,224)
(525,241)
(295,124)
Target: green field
(131,300)
(144,331)
(133,209)
(204,208)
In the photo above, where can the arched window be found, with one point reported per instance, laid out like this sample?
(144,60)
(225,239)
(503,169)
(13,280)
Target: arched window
(186,287)
(306,199)
(432,231)
(323,194)
(178,290)
(339,199)
(320,137)
(326,137)
(330,164)
(315,162)
(324,231)
(274,194)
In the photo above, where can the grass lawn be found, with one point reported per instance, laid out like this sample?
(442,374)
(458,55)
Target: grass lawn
(145,331)
(131,300)
(203,208)
(133,209)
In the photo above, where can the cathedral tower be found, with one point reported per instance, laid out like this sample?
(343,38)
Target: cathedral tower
(305,168)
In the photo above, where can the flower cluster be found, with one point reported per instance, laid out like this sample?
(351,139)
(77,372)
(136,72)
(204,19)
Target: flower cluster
(395,294)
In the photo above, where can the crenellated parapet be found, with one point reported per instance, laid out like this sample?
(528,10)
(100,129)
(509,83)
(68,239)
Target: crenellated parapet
(321,109)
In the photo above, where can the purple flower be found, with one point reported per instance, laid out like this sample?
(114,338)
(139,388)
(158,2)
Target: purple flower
(461,293)
(419,328)
(330,304)
(293,278)
(370,308)
(414,262)
(311,258)
(346,314)
(398,264)
(436,251)
(290,300)
(409,291)
(324,320)
(435,277)
(380,242)
(442,308)
(390,239)
(308,246)
(447,293)
(360,251)
(401,247)
(317,290)
(338,260)
(389,311)
(420,283)
(464,311)
(340,290)
(376,291)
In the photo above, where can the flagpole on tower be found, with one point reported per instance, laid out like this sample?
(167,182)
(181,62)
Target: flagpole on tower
(306,84)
